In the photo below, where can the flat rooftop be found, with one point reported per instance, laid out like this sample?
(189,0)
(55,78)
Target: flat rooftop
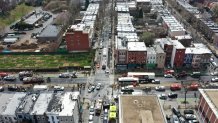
(5,98)
(41,103)
(140,109)
(34,18)
(27,104)
(136,46)
(14,103)
(51,31)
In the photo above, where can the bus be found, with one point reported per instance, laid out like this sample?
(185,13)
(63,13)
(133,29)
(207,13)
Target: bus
(143,76)
(128,80)
(104,52)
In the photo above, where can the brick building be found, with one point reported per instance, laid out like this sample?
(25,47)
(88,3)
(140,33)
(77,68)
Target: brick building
(207,105)
(178,54)
(78,38)
(137,54)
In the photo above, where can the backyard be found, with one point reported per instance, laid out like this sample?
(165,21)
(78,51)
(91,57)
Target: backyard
(45,61)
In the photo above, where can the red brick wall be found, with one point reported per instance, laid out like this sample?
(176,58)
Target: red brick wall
(179,57)
(77,41)
(206,111)
(137,57)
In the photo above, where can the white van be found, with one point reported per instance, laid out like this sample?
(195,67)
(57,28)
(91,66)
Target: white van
(90,117)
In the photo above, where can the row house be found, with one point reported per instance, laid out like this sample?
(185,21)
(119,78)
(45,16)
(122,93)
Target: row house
(173,27)
(151,58)
(197,56)
(160,56)
(79,37)
(178,54)
(137,55)
(167,45)
(44,107)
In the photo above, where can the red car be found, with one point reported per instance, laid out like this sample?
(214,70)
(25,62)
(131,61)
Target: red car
(175,87)
(3,74)
(194,86)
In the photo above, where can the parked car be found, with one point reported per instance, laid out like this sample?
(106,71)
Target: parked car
(174,119)
(24,74)
(58,88)
(168,76)
(214,79)
(91,110)
(65,75)
(172,95)
(12,88)
(188,111)
(160,88)
(33,80)
(9,78)
(156,81)
(190,117)
(176,112)
(182,119)
(1,89)
(3,74)
(196,75)
(181,75)
(193,121)
(162,96)
(98,87)
(175,87)
(90,89)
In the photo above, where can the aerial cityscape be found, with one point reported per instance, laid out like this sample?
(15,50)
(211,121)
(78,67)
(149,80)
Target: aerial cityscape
(108,61)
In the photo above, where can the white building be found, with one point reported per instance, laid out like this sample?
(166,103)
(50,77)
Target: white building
(9,115)
(173,26)
(40,108)
(151,55)
(64,108)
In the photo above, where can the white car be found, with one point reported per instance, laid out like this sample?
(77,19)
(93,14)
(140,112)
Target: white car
(190,117)
(214,79)
(98,87)
(160,88)
(168,76)
(91,110)
(162,96)
(59,88)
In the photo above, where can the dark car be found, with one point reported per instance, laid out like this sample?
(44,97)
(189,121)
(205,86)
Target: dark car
(176,112)
(172,95)
(12,88)
(9,78)
(188,111)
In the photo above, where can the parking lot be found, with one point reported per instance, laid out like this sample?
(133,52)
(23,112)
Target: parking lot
(24,38)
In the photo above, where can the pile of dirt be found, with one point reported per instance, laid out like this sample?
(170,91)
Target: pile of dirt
(24,45)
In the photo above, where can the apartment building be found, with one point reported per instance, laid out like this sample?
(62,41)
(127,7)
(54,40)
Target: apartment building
(79,37)
(207,105)
(137,54)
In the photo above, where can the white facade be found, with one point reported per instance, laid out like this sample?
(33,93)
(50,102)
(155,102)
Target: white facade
(151,55)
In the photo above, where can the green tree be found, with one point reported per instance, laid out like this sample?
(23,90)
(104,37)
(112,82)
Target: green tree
(148,38)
